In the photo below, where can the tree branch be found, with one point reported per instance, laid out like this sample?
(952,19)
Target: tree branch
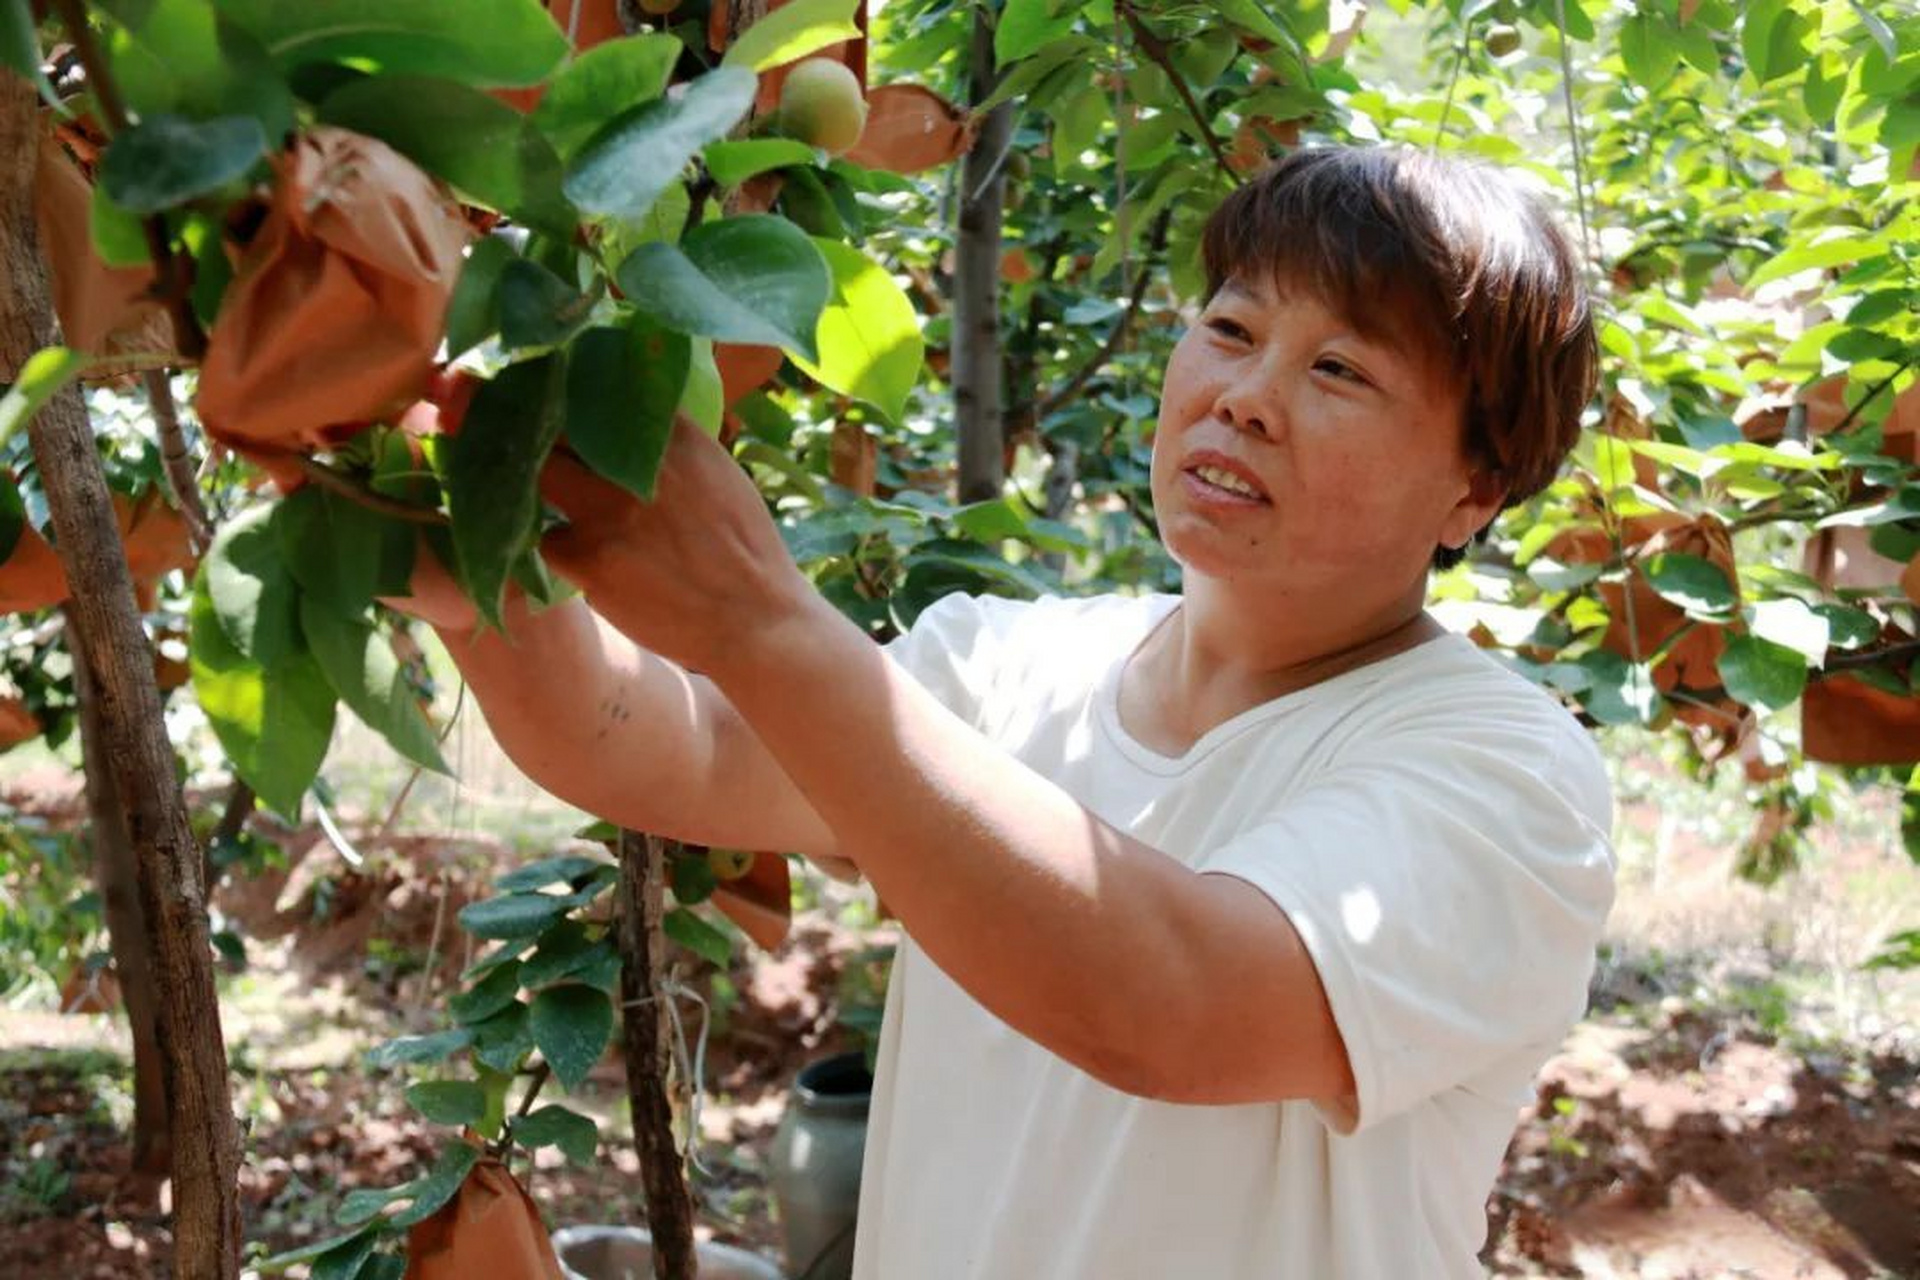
(172,273)
(1878,657)
(347,487)
(1872,395)
(1156,48)
(1086,371)
(176,464)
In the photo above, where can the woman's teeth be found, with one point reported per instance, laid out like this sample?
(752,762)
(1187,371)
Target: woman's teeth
(1232,483)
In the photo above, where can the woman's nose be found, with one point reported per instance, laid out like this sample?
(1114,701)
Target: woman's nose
(1247,404)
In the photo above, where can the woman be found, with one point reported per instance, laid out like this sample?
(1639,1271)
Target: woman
(1237,923)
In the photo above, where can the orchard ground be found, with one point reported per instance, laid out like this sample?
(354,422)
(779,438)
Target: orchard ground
(1744,1100)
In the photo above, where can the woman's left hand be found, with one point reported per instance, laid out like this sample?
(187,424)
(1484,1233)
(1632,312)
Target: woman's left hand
(697,575)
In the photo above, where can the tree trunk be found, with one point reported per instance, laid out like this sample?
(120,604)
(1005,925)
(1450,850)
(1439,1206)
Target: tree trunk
(117,877)
(108,638)
(976,284)
(647,1038)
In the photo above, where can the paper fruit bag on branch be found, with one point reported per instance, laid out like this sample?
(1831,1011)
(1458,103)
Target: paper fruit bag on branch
(104,310)
(337,304)
(490,1229)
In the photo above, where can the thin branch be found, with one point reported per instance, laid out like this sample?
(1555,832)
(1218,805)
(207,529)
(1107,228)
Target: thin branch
(176,464)
(172,273)
(1879,657)
(1156,48)
(1453,80)
(347,487)
(540,1074)
(1872,394)
(1086,371)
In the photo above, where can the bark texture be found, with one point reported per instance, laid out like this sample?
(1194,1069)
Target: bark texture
(116,875)
(108,637)
(647,1038)
(978,416)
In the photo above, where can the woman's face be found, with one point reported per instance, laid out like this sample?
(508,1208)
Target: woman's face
(1296,456)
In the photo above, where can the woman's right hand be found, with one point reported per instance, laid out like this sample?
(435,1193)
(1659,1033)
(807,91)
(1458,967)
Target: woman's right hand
(435,599)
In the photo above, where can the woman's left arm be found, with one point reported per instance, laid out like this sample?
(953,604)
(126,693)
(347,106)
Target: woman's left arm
(1114,956)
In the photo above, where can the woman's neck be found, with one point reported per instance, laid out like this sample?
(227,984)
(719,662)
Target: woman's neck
(1214,658)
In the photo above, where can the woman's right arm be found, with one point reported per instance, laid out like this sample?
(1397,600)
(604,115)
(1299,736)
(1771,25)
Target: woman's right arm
(621,732)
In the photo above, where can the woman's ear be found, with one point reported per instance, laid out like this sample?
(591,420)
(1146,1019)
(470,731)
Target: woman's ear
(1486,494)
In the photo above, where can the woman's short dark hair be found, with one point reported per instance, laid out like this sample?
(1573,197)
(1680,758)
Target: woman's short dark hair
(1447,255)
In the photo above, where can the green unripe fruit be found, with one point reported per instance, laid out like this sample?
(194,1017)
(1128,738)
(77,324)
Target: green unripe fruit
(821,105)
(1502,39)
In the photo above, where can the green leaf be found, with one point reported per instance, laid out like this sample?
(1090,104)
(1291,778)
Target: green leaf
(181,58)
(514,915)
(480,145)
(363,1204)
(340,552)
(493,475)
(704,402)
(165,160)
(623,169)
(1694,583)
(564,957)
(697,936)
(473,314)
(20,45)
(537,307)
(1848,627)
(309,1252)
(869,334)
(345,1261)
(1837,248)
(413,1050)
(1773,38)
(487,43)
(13,516)
(119,238)
(791,32)
(489,996)
(273,721)
(571,1026)
(1649,45)
(1025,25)
(360,666)
(555,1126)
(603,82)
(41,377)
(755,279)
(384,1266)
(1618,692)
(732,163)
(494,1086)
(439,1185)
(503,1041)
(251,589)
(623,386)
(565,869)
(1761,673)
(455,1102)
(693,879)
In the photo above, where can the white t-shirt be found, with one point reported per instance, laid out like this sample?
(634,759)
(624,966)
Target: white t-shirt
(1437,831)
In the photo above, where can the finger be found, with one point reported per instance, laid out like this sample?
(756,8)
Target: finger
(569,485)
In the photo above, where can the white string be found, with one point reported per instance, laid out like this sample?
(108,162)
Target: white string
(691,1065)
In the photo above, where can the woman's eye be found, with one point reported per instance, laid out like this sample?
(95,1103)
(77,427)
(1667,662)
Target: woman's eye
(1339,369)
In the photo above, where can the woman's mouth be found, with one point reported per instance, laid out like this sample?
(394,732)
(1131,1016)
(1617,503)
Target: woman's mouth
(1213,481)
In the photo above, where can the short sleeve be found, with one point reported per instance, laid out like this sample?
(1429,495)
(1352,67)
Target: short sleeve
(956,649)
(1451,895)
